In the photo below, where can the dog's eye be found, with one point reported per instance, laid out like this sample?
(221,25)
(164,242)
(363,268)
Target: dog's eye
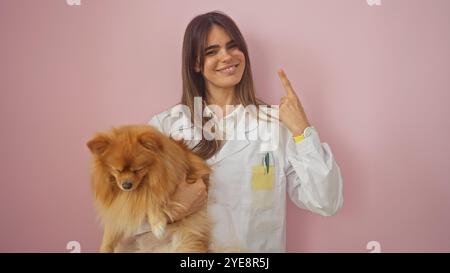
(116,170)
(138,170)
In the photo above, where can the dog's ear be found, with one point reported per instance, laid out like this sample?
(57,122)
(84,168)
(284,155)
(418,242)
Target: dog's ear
(98,144)
(151,141)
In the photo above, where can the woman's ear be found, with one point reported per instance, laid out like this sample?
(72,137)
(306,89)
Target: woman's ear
(197,68)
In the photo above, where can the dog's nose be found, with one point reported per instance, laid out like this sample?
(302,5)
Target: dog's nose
(127,185)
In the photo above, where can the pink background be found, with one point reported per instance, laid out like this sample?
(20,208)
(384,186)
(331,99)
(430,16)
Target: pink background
(374,80)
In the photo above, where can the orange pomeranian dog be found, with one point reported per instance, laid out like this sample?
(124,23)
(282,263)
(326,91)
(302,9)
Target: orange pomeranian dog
(136,170)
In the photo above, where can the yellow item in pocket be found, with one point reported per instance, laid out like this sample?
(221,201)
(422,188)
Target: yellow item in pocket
(263,177)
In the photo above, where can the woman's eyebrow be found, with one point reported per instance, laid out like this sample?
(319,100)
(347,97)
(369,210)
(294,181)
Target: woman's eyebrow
(216,46)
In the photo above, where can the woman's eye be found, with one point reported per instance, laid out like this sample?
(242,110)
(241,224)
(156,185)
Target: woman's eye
(210,53)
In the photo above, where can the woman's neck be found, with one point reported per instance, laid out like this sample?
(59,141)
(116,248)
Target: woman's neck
(221,97)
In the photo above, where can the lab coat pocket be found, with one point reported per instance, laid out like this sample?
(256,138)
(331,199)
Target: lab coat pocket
(263,179)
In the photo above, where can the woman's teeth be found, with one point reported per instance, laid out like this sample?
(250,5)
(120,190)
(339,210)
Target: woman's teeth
(229,71)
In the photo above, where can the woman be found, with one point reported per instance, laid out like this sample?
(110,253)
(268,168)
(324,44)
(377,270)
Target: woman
(246,198)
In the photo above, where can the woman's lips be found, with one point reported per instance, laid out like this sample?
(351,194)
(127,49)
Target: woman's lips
(228,71)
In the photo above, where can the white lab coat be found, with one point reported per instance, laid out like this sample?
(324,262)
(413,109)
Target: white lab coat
(253,218)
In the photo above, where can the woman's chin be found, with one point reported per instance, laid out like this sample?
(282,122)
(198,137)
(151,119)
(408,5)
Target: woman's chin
(229,82)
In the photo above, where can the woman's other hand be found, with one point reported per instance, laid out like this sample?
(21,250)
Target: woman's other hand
(191,197)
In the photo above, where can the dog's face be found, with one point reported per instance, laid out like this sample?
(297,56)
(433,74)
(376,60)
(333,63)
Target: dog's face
(126,154)
(127,173)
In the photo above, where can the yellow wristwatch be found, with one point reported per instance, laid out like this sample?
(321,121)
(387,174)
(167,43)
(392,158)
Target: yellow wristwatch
(306,133)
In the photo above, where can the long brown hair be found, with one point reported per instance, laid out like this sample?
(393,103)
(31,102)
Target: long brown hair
(194,43)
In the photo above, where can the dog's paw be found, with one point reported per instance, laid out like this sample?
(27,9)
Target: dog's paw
(159,229)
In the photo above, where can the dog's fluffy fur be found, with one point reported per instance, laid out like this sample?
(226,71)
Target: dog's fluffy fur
(135,172)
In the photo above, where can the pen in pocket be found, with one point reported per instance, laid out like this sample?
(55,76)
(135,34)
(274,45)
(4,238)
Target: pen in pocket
(266,163)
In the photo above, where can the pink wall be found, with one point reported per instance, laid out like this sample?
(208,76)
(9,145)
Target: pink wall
(373,79)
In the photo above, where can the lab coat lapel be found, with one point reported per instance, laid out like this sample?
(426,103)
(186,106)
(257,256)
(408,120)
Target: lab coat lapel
(187,131)
(229,148)
(233,146)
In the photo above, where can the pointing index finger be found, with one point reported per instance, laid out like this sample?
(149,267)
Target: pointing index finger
(286,84)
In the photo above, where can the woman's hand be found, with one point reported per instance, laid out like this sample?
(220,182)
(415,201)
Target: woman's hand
(191,196)
(291,111)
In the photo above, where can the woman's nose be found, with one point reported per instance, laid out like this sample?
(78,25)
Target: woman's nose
(225,56)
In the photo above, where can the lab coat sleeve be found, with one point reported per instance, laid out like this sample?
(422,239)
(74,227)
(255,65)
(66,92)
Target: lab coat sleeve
(159,122)
(169,121)
(314,179)
(156,122)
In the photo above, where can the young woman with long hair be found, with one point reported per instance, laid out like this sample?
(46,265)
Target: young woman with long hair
(246,197)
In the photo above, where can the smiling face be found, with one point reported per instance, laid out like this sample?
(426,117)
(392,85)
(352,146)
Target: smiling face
(224,62)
